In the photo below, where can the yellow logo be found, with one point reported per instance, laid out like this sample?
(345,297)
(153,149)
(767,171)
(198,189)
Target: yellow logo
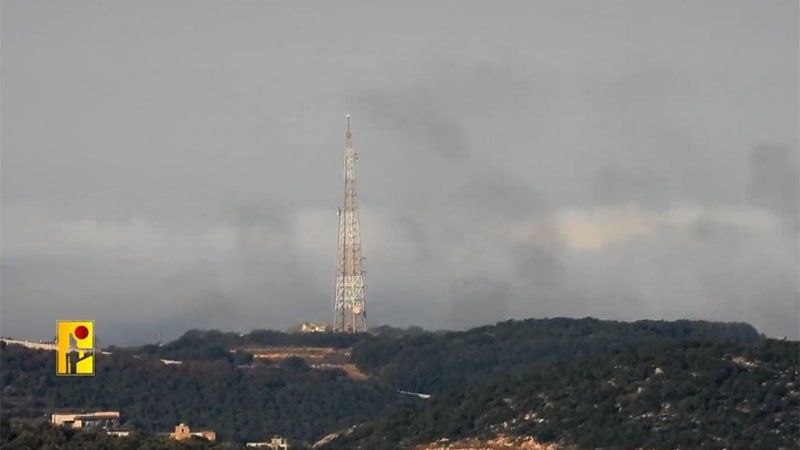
(75,340)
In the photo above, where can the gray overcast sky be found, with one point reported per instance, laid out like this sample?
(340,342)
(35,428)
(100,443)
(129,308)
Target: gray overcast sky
(177,164)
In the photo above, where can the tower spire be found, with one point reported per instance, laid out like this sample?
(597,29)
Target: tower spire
(348,134)
(349,306)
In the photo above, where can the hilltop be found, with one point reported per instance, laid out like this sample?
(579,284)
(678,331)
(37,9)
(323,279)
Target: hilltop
(562,383)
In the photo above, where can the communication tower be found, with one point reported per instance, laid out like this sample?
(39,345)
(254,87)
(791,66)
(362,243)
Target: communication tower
(349,304)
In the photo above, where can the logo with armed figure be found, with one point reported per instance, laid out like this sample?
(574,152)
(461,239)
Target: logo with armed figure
(75,342)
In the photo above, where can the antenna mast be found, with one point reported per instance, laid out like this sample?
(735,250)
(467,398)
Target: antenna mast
(349,305)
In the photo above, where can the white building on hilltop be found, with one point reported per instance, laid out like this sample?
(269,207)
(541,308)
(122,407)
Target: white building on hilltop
(311,327)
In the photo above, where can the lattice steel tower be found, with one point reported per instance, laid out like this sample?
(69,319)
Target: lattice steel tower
(349,305)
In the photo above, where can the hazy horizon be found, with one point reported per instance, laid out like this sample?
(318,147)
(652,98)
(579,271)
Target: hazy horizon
(176,165)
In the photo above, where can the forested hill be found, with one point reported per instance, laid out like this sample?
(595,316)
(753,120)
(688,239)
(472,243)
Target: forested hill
(673,394)
(431,362)
(588,383)
(215,344)
(239,402)
(582,382)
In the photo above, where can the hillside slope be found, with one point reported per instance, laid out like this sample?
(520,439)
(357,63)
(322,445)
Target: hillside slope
(245,403)
(661,395)
(562,383)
